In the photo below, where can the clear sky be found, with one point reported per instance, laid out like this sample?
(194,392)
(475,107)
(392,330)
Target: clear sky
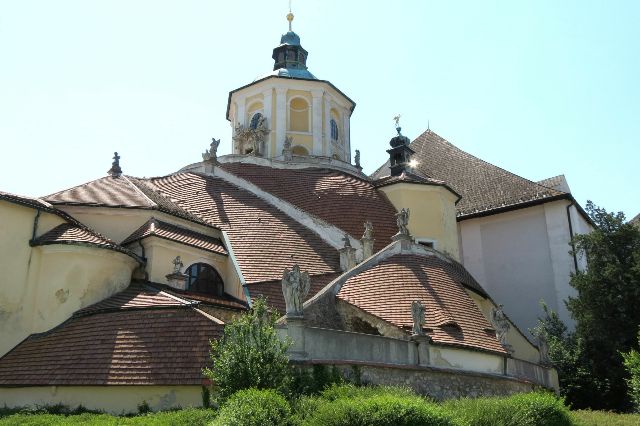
(538,88)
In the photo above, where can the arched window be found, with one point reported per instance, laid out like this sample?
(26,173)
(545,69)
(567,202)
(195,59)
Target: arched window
(255,120)
(204,279)
(334,130)
(299,150)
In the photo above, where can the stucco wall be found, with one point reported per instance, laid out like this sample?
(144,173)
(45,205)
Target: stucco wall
(520,258)
(432,213)
(111,399)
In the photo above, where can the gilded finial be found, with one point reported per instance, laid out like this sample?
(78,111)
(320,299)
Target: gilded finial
(289,16)
(397,120)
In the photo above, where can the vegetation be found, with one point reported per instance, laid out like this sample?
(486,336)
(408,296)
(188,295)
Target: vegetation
(249,355)
(589,361)
(632,364)
(604,418)
(186,417)
(254,407)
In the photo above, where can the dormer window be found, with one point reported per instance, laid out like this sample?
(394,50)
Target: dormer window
(203,278)
(334,130)
(255,120)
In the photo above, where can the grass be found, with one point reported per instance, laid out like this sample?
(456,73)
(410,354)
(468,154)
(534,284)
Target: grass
(186,417)
(604,418)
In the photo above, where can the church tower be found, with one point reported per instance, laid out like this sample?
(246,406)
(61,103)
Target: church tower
(289,114)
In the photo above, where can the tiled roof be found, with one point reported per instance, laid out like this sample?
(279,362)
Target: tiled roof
(559,183)
(168,231)
(264,239)
(137,296)
(75,233)
(272,290)
(341,199)
(387,289)
(408,177)
(35,203)
(224,301)
(121,191)
(483,186)
(137,337)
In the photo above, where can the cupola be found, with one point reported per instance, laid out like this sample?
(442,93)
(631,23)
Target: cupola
(290,54)
(400,152)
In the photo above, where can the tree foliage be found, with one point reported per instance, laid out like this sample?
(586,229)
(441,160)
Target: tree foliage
(249,355)
(607,314)
(632,364)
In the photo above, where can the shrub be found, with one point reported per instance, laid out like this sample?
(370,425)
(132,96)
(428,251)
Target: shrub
(632,364)
(531,409)
(254,407)
(378,410)
(249,355)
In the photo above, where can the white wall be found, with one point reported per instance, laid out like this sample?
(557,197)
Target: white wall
(521,257)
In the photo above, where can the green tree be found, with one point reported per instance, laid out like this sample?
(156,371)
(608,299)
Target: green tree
(607,314)
(632,364)
(249,355)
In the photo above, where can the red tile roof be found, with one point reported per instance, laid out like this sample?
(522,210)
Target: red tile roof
(272,290)
(483,186)
(75,233)
(341,199)
(387,289)
(168,231)
(137,337)
(121,191)
(265,241)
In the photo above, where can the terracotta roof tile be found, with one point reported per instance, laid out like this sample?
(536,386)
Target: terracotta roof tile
(75,233)
(483,186)
(272,290)
(386,290)
(341,199)
(136,296)
(130,347)
(168,231)
(264,239)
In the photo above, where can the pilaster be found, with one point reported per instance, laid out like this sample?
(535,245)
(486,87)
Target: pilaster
(317,122)
(266,102)
(327,126)
(281,119)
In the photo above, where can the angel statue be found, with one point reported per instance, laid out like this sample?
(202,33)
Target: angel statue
(368,231)
(211,154)
(177,265)
(402,220)
(417,313)
(500,323)
(295,287)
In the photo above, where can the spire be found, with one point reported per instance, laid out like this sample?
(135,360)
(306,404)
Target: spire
(290,55)
(290,17)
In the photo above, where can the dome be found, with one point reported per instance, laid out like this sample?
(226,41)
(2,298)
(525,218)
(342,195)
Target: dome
(290,38)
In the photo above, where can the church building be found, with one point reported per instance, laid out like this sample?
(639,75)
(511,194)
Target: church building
(428,272)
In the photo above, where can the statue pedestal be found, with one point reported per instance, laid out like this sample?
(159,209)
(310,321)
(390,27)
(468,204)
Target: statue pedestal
(210,166)
(367,247)
(405,240)
(295,330)
(177,280)
(423,342)
(347,258)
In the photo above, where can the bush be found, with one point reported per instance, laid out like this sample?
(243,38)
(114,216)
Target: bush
(254,407)
(249,355)
(632,364)
(531,409)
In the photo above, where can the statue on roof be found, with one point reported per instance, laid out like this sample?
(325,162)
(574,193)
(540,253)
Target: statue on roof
(417,314)
(357,160)
(368,231)
(295,287)
(251,140)
(347,241)
(286,150)
(115,169)
(211,154)
(402,220)
(177,265)
(500,323)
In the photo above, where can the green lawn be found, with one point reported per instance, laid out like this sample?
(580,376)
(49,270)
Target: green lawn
(188,417)
(603,418)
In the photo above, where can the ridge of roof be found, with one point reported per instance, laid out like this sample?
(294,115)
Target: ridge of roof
(484,187)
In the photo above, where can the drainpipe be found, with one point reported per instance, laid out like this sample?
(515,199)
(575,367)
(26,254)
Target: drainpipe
(573,247)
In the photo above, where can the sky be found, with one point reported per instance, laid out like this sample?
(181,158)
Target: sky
(539,88)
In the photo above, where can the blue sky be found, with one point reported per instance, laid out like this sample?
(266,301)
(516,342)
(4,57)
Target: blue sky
(538,88)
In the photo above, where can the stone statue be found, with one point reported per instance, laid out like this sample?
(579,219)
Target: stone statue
(115,169)
(402,220)
(358,159)
(177,265)
(211,154)
(397,120)
(295,287)
(251,141)
(417,313)
(368,231)
(286,150)
(347,241)
(500,323)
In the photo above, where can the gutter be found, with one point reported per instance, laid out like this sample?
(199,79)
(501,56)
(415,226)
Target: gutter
(35,225)
(571,235)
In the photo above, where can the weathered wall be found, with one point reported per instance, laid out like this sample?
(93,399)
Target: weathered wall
(111,399)
(521,257)
(432,213)
(435,383)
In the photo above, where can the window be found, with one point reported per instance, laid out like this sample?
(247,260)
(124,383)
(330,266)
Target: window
(334,130)
(426,242)
(255,120)
(204,279)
